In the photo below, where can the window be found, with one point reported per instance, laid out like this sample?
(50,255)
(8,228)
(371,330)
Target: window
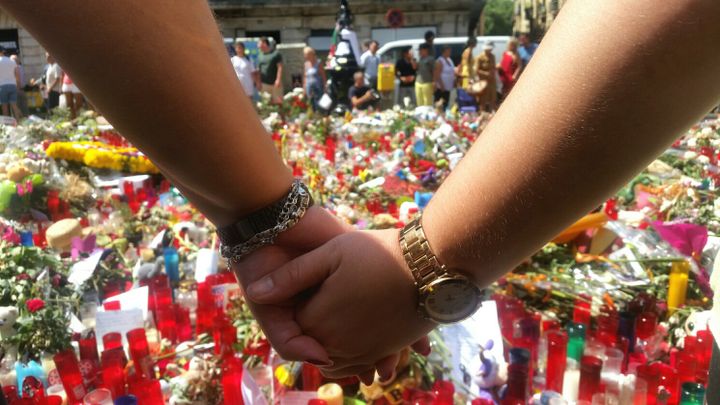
(9,41)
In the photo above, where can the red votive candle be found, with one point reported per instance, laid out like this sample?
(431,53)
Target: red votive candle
(166,322)
(312,378)
(113,378)
(607,328)
(590,373)
(232,383)
(115,356)
(556,360)
(148,392)
(112,340)
(163,298)
(651,375)
(645,325)
(669,382)
(581,312)
(140,353)
(518,376)
(685,364)
(69,370)
(184,327)
(204,319)
(88,350)
(444,392)
(704,355)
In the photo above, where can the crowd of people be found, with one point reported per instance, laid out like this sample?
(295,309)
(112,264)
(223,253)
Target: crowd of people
(423,80)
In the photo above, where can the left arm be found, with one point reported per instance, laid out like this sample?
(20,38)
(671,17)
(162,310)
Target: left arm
(278,79)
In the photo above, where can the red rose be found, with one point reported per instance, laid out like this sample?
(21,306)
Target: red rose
(35,304)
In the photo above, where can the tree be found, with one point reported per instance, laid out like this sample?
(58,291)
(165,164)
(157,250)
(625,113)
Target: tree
(499,17)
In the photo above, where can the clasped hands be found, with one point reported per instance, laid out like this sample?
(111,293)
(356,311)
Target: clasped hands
(340,299)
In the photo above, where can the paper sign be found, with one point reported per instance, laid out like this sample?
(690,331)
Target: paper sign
(137,298)
(118,321)
(75,325)
(463,340)
(206,264)
(84,269)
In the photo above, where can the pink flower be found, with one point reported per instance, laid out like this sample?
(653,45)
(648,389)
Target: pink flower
(35,304)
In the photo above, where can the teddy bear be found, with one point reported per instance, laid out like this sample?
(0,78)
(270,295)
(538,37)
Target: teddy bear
(8,316)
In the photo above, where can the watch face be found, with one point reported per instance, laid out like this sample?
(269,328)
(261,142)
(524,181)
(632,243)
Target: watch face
(451,300)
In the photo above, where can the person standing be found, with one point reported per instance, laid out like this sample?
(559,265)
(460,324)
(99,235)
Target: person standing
(466,69)
(370,62)
(73,96)
(22,101)
(526,49)
(510,66)
(244,69)
(405,70)
(430,40)
(270,64)
(444,76)
(314,77)
(486,71)
(424,82)
(9,84)
(53,81)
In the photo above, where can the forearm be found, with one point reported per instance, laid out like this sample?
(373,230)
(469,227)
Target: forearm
(278,78)
(526,179)
(194,131)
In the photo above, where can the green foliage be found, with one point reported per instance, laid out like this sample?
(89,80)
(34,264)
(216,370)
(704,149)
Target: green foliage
(30,272)
(45,331)
(498,17)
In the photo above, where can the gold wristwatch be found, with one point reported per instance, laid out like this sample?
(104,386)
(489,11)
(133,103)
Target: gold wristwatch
(443,297)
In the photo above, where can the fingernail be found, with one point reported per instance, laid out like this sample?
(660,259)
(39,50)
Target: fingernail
(427,351)
(320,363)
(386,378)
(261,287)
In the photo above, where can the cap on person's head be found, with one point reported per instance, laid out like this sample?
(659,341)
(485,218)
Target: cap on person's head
(429,35)
(489,46)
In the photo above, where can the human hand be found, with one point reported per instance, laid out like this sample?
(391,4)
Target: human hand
(363,310)
(278,321)
(277,84)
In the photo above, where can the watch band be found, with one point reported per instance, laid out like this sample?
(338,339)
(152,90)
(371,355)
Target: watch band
(415,248)
(262,227)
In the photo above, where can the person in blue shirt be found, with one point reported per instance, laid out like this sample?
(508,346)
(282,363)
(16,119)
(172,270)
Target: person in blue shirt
(526,49)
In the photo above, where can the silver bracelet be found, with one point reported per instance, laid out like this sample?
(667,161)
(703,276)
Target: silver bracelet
(296,204)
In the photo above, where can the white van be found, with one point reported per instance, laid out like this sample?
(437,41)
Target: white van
(390,52)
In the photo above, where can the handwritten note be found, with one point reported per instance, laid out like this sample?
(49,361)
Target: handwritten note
(118,321)
(84,269)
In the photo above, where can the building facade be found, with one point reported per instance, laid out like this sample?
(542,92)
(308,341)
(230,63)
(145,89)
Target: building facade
(16,40)
(535,17)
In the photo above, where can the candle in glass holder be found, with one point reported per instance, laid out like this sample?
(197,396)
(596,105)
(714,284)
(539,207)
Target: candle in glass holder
(184,326)
(172,263)
(88,350)
(581,311)
(57,390)
(669,382)
(444,392)
(167,322)
(140,353)
(576,341)
(69,371)
(571,380)
(626,329)
(312,378)
(692,394)
(100,396)
(677,285)
(112,340)
(556,360)
(590,372)
(516,392)
(651,375)
(148,391)
(232,382)
(113,377)
(331,393)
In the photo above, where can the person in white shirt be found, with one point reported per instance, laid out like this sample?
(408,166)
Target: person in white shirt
(245,70)
(53,81)
(9,84)
(370,62)
(444,77)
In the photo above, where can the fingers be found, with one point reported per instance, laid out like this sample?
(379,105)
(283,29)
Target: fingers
(295,276)
(422,346)
(367,377)
(286,336)
(386,367)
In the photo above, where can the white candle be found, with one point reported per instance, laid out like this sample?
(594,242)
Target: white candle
(331,393)
(571,381)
